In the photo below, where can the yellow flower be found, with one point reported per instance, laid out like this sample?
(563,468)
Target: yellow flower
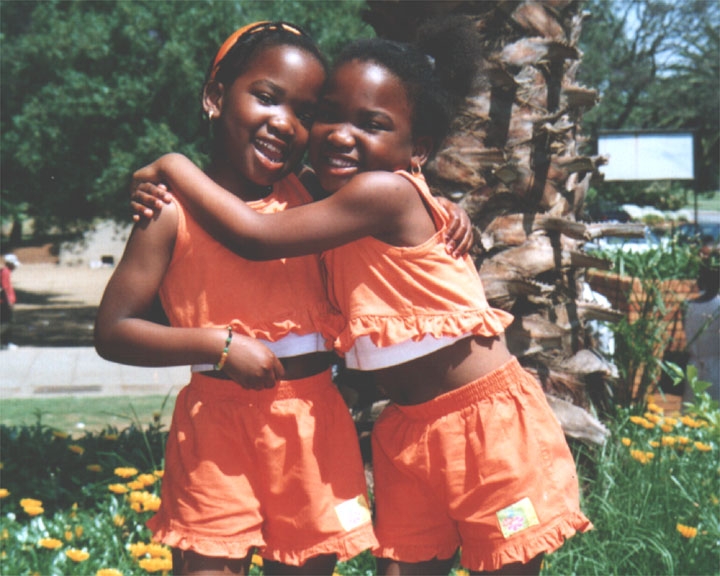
(68,535)
(637,419)
(654,418)
(147,479)
(159,473)
(715,500)
(686,531)
(257,560)
(33,510)
(135,485)
(655,408)
(138,549)
(79,450)
(683,440)
(77,555)
(626,441)
(110,436)
(667,428)
(144,501)
(61,435)
(690,422)
(118,488)
(703,447)
(50,543)
(108,572)
(654,443)
(118,520)
(94,468)
(4,493)
(641,456)
(5,534)
(668,440)
(79,530)
(25,502)
(126,472)
(156,564)
(671,421)
(158,551)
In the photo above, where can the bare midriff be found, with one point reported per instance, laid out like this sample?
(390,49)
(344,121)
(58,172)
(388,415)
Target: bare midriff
(447,369)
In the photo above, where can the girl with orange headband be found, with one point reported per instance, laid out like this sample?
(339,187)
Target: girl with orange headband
(262,452)
(468,455)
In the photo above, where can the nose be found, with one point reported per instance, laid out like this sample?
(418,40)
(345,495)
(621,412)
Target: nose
(282,123)
(341,136)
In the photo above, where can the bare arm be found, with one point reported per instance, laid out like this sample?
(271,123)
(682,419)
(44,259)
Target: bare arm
(122,333)
(380,204)
(148,198)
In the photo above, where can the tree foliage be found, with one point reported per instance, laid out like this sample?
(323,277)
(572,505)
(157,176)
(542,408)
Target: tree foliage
(657,66)
(92,90)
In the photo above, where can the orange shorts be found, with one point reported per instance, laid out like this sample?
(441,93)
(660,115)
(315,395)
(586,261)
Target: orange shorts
(278,469)
(485,467)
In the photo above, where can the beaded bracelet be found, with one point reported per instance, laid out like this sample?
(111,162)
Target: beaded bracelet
(226,349)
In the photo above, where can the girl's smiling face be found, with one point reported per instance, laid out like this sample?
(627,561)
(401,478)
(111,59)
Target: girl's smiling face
(266,113)
(364,123)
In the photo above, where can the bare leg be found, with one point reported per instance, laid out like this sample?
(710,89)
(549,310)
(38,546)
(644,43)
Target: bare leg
(317,566)
(532,568)
(432,567)
(187,562)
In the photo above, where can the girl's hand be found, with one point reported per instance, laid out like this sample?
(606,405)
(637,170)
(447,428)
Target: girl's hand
(148,190)
(251,364)
(459,237)
(147,199)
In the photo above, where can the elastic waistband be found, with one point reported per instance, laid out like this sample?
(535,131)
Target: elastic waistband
(284,389)
(509,374)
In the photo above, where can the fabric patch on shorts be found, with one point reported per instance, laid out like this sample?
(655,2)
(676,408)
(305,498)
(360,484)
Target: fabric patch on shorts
(353,513)
(517,517)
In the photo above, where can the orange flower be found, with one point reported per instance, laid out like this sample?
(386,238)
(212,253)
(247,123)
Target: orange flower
(686,531)
(118,488)
(94,468)
(77,555)
(50,543)
(79,450)
(126,472)
(4,493)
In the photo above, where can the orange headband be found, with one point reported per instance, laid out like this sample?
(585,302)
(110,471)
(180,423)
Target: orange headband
(248,29)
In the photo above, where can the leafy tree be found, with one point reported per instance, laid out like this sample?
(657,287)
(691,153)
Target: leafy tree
(657,66)
(92,90)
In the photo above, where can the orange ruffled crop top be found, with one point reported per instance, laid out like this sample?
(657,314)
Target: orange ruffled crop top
(283,302)
(401,303)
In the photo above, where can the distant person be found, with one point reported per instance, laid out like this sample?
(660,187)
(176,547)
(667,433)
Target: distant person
(702,328)
(7,300)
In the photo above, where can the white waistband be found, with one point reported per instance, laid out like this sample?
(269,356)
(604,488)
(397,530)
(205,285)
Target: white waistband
(364,355)
(286,347)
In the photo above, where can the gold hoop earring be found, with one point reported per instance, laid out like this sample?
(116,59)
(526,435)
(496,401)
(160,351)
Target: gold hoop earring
(415,169)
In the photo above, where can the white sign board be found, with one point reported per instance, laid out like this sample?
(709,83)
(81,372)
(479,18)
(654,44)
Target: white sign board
(647,156)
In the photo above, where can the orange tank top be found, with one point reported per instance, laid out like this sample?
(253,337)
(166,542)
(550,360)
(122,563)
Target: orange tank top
(401,303)
(207,285)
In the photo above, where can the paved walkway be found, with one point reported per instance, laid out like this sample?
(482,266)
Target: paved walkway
(29,372)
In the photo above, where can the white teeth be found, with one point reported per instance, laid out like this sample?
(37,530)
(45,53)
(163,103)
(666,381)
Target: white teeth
(340,163)
(270,151)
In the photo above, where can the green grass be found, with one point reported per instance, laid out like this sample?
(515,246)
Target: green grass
(652,492)
(77,414)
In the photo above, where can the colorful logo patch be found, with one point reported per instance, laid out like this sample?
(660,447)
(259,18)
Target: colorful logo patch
(517,517)
(353,513)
